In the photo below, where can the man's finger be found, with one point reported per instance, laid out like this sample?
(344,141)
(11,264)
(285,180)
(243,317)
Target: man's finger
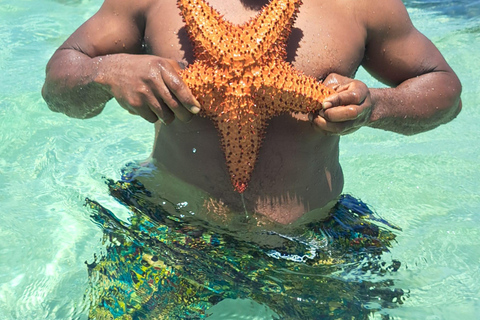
(332,80)
(145,113)
(161,110)
(168,103)
(342,113)
(179,89)
(321,124)
(343,98)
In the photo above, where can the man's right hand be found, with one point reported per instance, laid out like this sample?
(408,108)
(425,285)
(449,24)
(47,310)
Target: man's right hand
(148,86)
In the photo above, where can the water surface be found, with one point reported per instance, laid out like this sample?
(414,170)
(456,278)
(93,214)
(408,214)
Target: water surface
(427,184)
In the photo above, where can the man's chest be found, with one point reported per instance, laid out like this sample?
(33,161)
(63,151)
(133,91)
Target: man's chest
(318,44)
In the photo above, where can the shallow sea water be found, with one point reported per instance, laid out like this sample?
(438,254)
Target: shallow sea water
(428,184)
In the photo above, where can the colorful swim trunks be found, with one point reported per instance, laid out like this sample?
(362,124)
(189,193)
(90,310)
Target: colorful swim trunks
(161,266)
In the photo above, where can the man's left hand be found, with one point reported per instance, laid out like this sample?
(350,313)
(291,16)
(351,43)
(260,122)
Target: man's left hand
(345,111)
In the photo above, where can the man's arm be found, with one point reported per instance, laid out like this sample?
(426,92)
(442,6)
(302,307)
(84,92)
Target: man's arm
(102,59)
(425,91)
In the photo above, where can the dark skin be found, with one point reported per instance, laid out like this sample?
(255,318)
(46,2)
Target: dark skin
(132,51)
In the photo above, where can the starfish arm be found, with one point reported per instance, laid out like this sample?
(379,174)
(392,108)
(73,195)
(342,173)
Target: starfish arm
(241,131)
(269,31)
(207,29)
(240,126)
(290,90)
(205,84)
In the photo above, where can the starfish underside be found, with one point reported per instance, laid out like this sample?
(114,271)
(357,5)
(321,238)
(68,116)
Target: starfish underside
(241,78)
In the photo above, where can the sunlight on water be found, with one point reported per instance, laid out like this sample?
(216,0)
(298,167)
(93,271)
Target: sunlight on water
(427,184)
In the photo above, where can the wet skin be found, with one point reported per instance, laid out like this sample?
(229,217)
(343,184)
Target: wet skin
(129,51)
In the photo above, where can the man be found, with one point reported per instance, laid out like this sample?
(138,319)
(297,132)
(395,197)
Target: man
(133,50)
(129,51)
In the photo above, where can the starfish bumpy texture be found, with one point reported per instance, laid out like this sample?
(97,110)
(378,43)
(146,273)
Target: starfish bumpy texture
(241,78)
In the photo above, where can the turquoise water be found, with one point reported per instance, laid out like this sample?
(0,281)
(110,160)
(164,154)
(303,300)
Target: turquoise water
(428,184)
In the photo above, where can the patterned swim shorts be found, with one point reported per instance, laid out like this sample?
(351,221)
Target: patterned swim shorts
(162,266)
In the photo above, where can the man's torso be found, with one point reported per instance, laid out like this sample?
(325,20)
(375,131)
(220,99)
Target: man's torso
(297,170)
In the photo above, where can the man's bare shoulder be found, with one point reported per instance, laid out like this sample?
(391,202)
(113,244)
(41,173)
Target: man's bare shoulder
(128,6)
(394,50)
(382,16)
(374,17)
(117,27)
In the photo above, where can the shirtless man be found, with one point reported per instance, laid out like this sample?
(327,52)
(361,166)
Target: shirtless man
(131,51)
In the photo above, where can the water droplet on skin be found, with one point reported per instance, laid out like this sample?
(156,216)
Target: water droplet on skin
(181,205)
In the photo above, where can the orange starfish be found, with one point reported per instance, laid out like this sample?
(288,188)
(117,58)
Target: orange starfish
(241,78)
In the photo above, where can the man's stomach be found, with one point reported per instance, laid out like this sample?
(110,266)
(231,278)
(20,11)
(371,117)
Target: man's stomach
(297,176)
